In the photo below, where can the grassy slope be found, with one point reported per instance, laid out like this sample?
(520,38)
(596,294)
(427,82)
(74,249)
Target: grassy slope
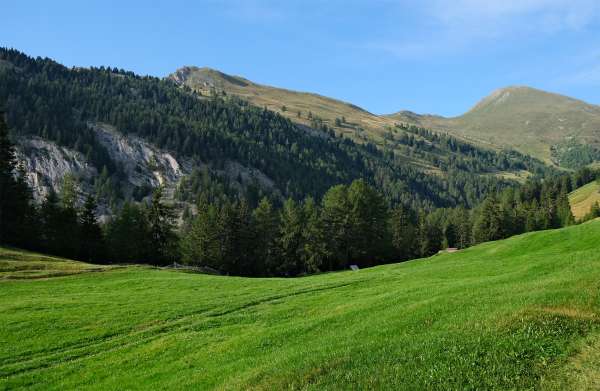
(582,199)
(328,109)
(273,98)
(18,264)
(519,313)
(523,118)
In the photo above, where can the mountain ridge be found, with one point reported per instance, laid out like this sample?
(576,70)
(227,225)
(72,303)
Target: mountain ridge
(543,124)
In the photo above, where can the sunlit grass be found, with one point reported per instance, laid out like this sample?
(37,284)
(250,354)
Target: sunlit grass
(582,199)
(512,314)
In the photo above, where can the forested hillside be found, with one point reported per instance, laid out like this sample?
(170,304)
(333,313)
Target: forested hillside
(311,200)
(45,99)
(351,224)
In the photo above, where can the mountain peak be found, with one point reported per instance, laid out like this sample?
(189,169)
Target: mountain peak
(206,77)
(524,98)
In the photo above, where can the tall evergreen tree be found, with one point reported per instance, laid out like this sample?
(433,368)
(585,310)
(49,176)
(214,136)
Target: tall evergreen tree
(314,250)
(200,245)
(489,223)
(266,226)
(128,235)
(161,221)
(369,219)
(402,228)
(17,213)
(92,241)
(291,241)
(336,217)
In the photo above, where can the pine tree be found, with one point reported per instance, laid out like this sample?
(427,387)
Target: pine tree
(18,225)
(489,223)
(92,241)
(314,250)
(336,218)
(422,239)
(463,228)
(54,223)
(201,245)
(402,233)
(161,221)
(245,240)
(128,235)
(266,226)
(369,219)
(290,238)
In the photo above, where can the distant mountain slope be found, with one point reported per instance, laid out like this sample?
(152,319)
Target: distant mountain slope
(275,99)
(548,126)
(555,128)
(582,199)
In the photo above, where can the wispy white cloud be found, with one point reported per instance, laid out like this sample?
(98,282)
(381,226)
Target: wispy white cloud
(252,11)
(451,26)
(585,75)
(546,15)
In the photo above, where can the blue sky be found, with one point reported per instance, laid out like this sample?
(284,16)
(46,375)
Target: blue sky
(431,56)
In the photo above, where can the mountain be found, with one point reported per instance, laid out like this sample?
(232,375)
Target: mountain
(554,128)
(300,107)
(551,127)
(520,313)
(122,134)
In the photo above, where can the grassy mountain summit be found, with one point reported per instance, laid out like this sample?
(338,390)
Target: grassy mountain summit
(520,313)
(548,126)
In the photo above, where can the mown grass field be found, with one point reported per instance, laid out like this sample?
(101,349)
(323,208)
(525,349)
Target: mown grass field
(582,199)
(515,314)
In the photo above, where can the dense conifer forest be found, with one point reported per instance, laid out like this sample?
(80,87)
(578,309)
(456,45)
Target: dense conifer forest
(43,98)
(351,224)
(339,202)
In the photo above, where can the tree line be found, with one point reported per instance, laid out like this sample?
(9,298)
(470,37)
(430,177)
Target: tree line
(350,224)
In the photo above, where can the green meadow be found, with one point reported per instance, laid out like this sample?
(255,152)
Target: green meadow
(520,314)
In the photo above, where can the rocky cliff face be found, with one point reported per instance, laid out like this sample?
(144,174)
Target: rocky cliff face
(141,165)
(46,164)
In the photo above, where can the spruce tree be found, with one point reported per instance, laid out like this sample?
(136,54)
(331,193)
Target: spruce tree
(402,233)
(200,245)
(266,226)
(314,250)
(18,225)
(92,241)
(336,218)
(290,238)
(128,235)
(161,221)
(369,219)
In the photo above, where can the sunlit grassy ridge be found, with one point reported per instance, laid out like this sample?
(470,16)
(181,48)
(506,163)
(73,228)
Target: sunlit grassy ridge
(518,117)
(513,314)
(582,199)
(19,264)
(522,118)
